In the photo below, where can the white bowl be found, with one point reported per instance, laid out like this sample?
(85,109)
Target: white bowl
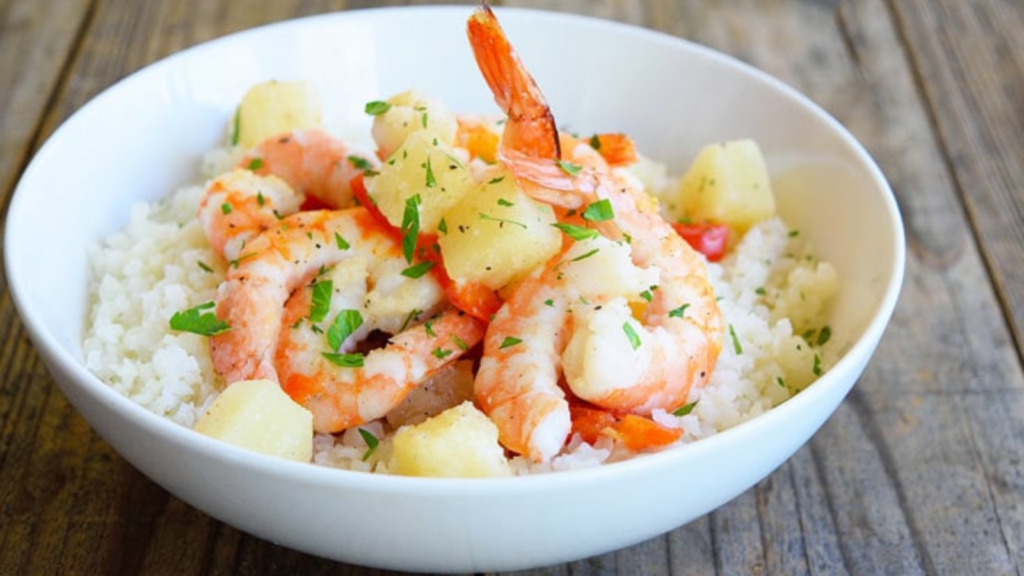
(144,136)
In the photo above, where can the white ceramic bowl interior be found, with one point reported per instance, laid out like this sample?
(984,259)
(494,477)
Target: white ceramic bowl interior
(144,137)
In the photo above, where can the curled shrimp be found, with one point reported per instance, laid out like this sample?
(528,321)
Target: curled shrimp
(632,349)
(262,300)
(239,205)
(313,162)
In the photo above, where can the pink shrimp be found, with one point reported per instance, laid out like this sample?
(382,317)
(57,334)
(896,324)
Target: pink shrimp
(256,300)
(239,205)
(554,326)
(313,162)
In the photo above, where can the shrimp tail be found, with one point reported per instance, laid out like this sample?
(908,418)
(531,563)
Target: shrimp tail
(531,127)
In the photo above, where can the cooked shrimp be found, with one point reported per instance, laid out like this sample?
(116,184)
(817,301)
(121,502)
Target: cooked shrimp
(313,162)
(530,129)
(239,205)
(265,341)
(629,352)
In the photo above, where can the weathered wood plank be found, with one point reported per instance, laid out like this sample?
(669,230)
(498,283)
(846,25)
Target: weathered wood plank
(970,62)
(35,41)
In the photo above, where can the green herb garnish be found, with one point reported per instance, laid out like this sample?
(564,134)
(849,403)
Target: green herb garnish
(569,168)
(824,335)
(586,255)
(417,270)
(359,163)
(685,409)
(678,312)
(321,305)
(341,242)
(509,341)
(576,232)
(197,321)
(344,325)
(410,226)
(735,341)
(501,221)
(236,126)
(431,181)
(377,107)
(599,211)
(371,442)
(634,338)
(354,360)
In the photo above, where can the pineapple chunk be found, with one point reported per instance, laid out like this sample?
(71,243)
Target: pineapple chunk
(271,108)
(497,234)
(423,166)
(258,415)
(410,112)
(460,442)
(727,184)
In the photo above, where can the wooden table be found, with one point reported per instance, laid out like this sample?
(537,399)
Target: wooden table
(921,470)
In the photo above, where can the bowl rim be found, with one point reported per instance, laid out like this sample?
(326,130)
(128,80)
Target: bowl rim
(71,363)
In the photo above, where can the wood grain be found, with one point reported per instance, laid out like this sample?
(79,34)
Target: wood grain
(920,471)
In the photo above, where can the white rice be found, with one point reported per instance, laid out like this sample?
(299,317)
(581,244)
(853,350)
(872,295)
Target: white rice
(773,293)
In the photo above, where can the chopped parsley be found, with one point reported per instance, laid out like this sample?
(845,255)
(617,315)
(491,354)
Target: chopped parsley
(371,442)
(225,208)
(431,181)
(634,338)
(354,360)
(413,314)
(197,321)
(321,300)
(496,180)
(824,335)
(576,232)
(735,341)
(442,226)
(501,220)
(341,242)
(599,211)
(344,325)
(255,164)
(359,163)
(417,270)
(204,266)
(595,142)
(685,409)
(460,343)
(236,126)
(410,226)
(569,168)
(586,255)
(817,365)
(441,353)
(678,312)
(260,199)
(510,341)
(376,107)
(503,202)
